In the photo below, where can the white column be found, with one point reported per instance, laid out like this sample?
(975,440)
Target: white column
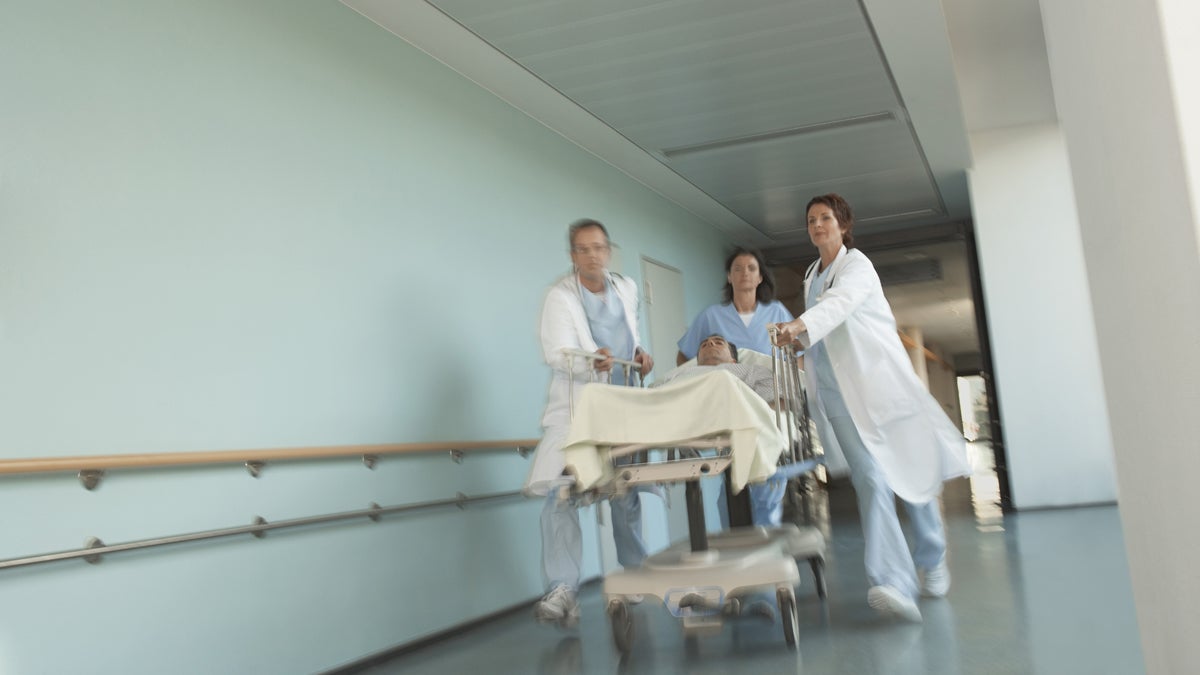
(1124,77)
(1047,365)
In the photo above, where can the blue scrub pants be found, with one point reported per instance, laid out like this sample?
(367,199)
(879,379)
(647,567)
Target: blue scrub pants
(888,560)
(562,538)
(766,502)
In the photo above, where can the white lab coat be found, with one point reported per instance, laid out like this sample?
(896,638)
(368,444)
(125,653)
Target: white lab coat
(564,325)
(903,427)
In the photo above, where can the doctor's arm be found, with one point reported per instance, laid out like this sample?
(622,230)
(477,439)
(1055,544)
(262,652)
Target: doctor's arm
(853,285)
(558,332)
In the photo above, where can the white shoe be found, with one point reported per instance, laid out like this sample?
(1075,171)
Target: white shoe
(937,581)
(893,604)
(558,606)
(635,599)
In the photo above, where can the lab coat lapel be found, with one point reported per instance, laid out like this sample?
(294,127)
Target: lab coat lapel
(836,266)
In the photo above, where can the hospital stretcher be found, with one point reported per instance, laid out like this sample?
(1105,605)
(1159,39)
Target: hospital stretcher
(723,427)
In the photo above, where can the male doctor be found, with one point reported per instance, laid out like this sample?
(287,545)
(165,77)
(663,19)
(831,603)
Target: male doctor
(594,310)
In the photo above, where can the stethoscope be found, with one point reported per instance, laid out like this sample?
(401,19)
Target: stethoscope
(808,276)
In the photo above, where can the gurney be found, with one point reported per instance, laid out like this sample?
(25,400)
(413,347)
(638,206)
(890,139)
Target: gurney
(625,437)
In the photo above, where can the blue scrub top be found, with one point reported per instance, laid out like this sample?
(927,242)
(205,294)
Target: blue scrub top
(815,357)
(723,320)
(606,319)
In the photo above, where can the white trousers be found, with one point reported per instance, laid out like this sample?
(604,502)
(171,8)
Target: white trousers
(888,560)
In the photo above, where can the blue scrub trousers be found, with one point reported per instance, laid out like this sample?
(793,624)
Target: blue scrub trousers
(888,560)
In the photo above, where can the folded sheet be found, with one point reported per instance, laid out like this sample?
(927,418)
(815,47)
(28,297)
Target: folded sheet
(709,404)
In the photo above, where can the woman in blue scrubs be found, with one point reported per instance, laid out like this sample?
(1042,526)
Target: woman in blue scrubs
(749,307)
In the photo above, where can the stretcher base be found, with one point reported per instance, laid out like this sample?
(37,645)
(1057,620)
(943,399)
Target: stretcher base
(702,587)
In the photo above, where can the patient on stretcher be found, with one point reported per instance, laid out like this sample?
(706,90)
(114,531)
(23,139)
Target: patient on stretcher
(691,408)
(717,353)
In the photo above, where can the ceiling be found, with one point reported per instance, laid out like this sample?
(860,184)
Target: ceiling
(741,111)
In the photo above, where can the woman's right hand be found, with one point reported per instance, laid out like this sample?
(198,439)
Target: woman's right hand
(786,333)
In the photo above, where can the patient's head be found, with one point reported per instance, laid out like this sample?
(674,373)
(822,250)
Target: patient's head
(716,350)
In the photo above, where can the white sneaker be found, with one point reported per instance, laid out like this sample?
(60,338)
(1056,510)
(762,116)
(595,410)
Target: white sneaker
(558,606)
(893,604)
(937,581)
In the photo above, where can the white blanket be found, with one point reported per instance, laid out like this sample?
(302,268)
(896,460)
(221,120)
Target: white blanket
(714,403)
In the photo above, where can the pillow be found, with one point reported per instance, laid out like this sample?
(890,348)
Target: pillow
(744,356)
(754,358)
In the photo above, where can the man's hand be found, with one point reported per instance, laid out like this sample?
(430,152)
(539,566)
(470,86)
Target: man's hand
(643,359)
(605,364)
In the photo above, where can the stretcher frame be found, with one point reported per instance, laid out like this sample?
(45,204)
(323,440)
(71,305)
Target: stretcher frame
(706,578)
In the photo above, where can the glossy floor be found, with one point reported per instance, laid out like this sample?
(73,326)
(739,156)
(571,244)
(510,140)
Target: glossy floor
(1038,592)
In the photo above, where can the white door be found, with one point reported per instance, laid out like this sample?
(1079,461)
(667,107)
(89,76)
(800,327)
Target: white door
(662,295)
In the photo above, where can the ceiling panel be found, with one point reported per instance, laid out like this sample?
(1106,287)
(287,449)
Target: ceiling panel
(875,198)
(801,159)
(738,110)
(673,75)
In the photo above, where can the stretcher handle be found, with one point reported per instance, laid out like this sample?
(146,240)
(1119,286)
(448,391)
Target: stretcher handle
(593,356)
(635,368)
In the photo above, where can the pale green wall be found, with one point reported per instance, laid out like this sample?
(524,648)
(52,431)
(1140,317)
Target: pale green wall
(262,224)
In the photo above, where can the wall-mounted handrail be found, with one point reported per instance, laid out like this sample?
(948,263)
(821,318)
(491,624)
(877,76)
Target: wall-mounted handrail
(258,529)
(167,459)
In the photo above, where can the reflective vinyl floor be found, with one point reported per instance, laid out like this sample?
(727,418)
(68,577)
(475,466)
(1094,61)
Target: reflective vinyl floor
(1035,592)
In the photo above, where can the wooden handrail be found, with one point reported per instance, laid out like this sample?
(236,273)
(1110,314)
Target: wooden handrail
(165,459)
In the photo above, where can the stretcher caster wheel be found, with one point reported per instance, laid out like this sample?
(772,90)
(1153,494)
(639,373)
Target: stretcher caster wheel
(818,570)
(789,616)
(622,625)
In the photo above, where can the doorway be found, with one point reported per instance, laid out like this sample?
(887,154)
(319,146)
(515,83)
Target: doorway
(666,322)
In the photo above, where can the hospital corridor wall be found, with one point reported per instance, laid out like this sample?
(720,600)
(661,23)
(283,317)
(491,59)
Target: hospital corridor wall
(230,225)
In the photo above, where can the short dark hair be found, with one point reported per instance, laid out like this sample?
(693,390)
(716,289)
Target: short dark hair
(765,292)
(583,224)
(841,211)
(732,347)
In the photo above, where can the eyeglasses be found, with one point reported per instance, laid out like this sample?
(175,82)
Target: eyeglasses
(597,249)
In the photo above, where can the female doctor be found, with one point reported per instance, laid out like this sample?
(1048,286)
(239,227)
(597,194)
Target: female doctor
(894,435)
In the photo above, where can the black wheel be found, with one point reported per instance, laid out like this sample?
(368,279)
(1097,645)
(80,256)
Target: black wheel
(622,625)
(788,616)
(818,569)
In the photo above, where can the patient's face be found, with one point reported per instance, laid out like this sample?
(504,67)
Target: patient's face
(713,351)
